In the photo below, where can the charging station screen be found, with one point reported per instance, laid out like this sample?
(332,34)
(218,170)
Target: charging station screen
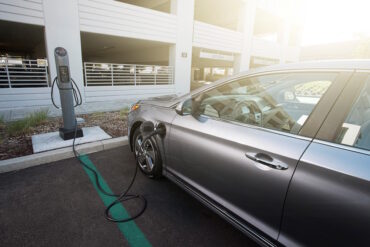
(64,74)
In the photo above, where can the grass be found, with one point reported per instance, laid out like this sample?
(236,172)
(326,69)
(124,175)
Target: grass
(2,124)
(101,115)
(23,126)
(37,118)
(97,114)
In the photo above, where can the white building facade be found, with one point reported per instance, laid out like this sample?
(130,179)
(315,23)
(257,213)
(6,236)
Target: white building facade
(181,29)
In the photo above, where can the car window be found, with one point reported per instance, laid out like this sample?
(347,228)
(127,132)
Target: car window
(355,129)
(277,101)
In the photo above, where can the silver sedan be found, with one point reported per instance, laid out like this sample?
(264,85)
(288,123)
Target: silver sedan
(282,153)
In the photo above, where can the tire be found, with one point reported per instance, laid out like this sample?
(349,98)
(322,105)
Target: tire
(149,163)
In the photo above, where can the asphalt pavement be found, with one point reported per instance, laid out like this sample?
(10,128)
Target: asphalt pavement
(57,205)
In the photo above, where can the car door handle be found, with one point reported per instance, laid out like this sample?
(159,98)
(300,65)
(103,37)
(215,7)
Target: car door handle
(267,160)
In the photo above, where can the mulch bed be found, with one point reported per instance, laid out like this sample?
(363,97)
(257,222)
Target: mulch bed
(113,123)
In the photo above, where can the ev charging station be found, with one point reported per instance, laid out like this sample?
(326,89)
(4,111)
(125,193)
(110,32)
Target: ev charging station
(70,97)
(69,93)
(67,96)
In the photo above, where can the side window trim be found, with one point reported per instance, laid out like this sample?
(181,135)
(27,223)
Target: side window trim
(341,146)
(333,123)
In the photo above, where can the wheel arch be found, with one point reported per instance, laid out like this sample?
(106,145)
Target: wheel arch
(133,129)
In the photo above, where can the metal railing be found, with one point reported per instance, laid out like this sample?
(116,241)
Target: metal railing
(109,74)
(23,73)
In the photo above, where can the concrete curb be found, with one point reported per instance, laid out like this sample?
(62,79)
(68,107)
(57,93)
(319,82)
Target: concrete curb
(60,154)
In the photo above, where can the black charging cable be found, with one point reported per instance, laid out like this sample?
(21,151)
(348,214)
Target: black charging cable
(76,92)
(122,197)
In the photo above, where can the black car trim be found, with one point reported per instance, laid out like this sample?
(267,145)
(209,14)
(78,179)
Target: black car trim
(323,107)
(340,110)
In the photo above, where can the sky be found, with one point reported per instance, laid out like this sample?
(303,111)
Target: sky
(328,21)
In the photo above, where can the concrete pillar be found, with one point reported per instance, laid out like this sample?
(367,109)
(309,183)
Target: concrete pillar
(181,52)
(246,26)
(62,28)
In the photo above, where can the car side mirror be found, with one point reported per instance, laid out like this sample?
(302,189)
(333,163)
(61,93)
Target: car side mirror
(184,108)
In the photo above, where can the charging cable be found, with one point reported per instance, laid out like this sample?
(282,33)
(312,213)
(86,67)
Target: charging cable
(122,197)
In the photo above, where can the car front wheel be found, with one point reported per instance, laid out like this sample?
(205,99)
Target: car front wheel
(147,155)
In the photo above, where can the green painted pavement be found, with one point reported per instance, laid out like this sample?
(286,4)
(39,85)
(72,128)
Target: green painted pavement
(130,230)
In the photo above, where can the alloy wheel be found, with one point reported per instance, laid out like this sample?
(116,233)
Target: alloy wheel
(145,154)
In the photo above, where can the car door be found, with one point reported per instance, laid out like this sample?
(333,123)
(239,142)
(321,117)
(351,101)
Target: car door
(328,203)
(240,146)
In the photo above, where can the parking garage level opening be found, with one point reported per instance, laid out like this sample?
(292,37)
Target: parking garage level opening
(117,61)
(23,62)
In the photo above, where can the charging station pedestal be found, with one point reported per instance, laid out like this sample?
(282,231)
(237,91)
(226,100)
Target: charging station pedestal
(64,83)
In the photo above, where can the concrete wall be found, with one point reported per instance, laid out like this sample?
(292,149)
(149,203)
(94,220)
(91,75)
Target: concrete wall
(216,38)
(339,50)
(152,55)
(22,11)
(121,19)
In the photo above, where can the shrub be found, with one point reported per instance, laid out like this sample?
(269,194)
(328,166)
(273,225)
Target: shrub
(21,127)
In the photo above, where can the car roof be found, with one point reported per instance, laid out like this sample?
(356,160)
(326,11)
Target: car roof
(343,64)
(347,64)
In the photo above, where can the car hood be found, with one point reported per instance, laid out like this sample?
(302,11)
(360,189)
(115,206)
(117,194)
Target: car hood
(163,101)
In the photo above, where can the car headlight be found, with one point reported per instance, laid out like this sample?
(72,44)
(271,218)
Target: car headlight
(134,107)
